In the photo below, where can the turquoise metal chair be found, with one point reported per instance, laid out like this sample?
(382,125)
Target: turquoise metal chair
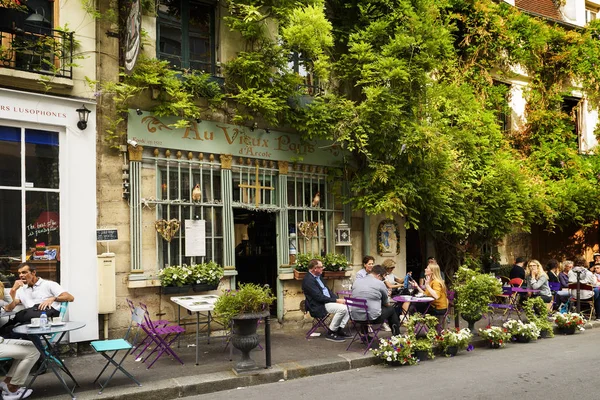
(109,349)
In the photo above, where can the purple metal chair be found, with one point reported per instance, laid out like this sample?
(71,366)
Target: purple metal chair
(508,307)
(141,346)
(363,328)
(162,338)
(318,322)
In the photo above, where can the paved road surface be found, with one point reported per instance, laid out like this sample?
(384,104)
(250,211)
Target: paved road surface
(564,367)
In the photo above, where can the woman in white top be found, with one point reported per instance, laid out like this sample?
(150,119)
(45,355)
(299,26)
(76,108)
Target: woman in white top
(391,281)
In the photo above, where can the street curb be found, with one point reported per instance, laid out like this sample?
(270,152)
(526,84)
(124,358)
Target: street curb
(216,382)
(174,388)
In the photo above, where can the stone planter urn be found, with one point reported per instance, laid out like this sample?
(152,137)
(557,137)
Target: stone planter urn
(245,339)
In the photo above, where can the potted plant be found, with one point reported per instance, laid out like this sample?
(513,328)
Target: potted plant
(175,279)
(301,265)
(537,312)
(334,265)
(521,332)
(206,276)
(568,323)
(422,329)
(397,350)
(241,309)
(451,341)
(474,292)
(495,335)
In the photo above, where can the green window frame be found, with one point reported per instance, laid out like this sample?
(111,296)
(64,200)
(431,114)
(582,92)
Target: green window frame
(182,34)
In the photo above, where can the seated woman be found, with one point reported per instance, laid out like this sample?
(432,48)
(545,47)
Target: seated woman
(5,299)
(537,279)
(436,288)
(392,282)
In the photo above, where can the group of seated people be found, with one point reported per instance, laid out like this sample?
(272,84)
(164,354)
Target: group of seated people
(565,273)
(34,296)
(376,284)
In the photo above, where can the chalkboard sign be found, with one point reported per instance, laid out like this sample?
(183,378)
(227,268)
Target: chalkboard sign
(106,235)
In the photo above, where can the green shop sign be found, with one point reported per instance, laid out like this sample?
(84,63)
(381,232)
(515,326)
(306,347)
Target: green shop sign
(220,138)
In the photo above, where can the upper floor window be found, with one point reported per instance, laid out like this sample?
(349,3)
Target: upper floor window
(186,34)
(302,66)
(591,13)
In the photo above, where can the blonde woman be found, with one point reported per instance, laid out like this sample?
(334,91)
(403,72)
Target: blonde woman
(537,279)
(436,288)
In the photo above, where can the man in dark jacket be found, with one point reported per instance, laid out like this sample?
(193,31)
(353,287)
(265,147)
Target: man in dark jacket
(320,301)
(518,270)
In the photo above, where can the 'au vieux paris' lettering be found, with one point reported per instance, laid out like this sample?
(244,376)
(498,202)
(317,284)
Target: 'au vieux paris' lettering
(253,146)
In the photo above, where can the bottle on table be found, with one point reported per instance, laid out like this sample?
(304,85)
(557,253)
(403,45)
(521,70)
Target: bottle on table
(44,321)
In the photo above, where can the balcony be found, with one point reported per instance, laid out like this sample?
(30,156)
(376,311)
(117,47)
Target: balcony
(46,52)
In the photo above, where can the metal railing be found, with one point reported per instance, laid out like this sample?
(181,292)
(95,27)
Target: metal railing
(47,51)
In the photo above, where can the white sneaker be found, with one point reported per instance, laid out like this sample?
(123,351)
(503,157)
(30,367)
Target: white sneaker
(386,327)
(4,387)
(17,395)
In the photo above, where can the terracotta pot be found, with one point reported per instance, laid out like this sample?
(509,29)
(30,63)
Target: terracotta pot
(299,275)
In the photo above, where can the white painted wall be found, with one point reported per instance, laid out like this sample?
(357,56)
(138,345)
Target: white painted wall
(77,154)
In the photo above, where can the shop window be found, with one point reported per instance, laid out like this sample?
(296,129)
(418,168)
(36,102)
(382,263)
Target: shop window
(310,212)
(29,194)
(190,191)
(254,186)
(186,34)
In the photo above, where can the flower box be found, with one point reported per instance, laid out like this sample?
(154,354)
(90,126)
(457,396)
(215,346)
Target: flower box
(299,275)
(334,274)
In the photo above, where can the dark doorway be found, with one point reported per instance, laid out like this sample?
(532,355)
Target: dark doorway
(256,247)
(414,258)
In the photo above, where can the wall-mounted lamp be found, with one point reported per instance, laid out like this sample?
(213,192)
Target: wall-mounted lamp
(84,113)
(342,234)
(138,111)
(253,126)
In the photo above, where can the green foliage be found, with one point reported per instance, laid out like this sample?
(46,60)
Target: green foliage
(177,94)
(302,260)
(474,291)
(421,328)
(209,273)
(175,275)
(537,312)
(250,298)
(335,262)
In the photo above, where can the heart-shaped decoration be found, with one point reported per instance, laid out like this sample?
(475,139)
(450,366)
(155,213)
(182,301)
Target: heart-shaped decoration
(167,229)
(308,229)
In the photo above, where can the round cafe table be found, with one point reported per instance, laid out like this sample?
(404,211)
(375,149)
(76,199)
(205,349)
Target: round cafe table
(46,341)
(411,299)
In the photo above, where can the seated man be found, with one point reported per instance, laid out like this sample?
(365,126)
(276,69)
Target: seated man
(25,355)
(37,295)
(374,291)
(320,301)
(586,277)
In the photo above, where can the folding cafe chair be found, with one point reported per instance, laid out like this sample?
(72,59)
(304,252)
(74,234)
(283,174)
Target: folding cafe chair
(577,302)
(507,303)
(162,338)
(319,322)
(113,346)
(364,328)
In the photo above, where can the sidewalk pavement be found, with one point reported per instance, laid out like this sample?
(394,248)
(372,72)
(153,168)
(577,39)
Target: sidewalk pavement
(293,356)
